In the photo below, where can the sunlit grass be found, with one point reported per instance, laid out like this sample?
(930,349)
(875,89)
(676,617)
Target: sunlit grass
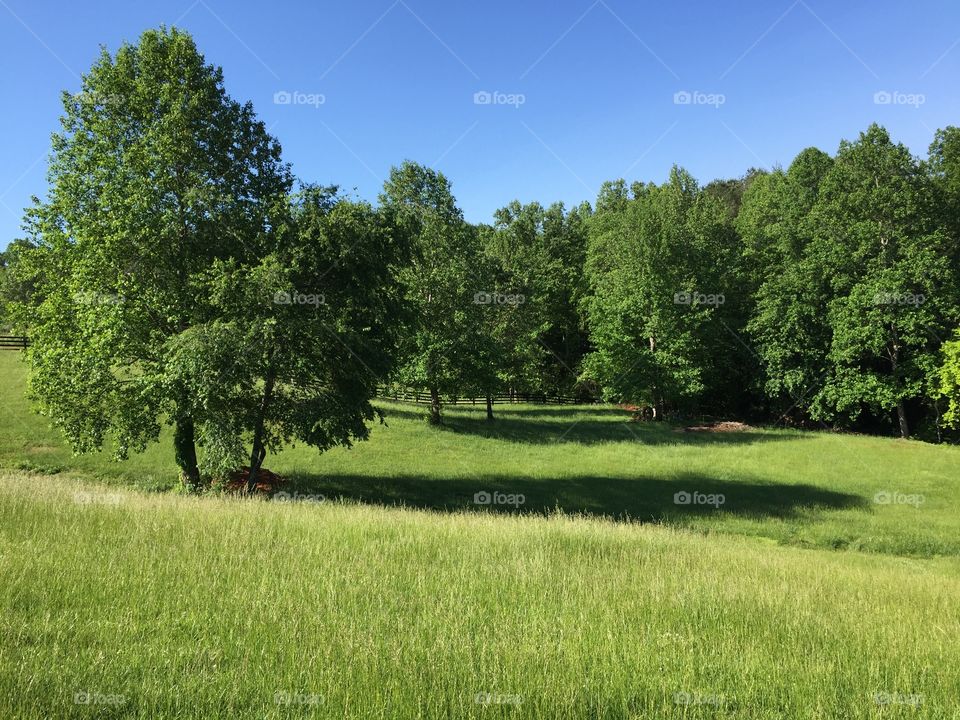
(398,596)
(806,489)
(164,606)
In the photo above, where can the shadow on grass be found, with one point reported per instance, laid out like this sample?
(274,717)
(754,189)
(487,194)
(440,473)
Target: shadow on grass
(641,498)
(394,408)
(585,426)
(589,432)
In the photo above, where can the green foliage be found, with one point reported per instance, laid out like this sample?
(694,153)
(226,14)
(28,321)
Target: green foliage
(446,349)
(660,265)
(855,281)
(155,175)
(885,260)
(819,293)
(539,255)
(788,300)
(949,382)
(298,342)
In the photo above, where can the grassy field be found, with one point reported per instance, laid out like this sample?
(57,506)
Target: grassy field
(798,596)
(797,488)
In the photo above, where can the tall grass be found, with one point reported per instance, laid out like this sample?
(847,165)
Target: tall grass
(115,603)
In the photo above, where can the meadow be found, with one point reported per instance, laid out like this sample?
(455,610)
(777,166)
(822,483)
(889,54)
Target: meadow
(826,584)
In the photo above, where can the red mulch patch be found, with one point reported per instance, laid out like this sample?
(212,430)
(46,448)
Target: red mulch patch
(267,481)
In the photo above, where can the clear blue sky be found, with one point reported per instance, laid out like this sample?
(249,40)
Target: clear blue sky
(598,81)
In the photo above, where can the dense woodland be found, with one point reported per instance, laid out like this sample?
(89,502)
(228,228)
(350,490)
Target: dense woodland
(177,272)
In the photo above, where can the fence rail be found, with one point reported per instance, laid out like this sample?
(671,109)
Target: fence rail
(13,342)
(419,396)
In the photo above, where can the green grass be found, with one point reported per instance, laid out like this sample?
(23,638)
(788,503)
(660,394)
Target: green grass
(399,597)
(204,607)
(795,488)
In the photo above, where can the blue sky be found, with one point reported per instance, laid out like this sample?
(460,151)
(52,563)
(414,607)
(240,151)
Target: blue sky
(586,89)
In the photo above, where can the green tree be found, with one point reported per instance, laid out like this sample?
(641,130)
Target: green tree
(445,350)
(948,386)
(655,287)
(788,289)
(566,338)
(943,166)
(155,176)
(523,280)
(886,259)
(300,338)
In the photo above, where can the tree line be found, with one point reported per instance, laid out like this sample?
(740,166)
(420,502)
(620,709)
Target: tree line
(177,273)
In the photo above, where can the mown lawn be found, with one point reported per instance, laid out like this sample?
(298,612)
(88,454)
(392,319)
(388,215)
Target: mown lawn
(397,596)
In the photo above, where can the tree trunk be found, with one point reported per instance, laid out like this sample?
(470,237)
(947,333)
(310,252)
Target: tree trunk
(489,407)
(259,450)
(185,450)
(657,404)
(434,406)
(894,366)
(902,419)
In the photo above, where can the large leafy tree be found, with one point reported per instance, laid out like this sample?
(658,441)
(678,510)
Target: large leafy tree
(155,175)
(299,338)
(893,291)
(536,260)
(656,282)
(787,287)
(446,349)
(944,168)
(564,287)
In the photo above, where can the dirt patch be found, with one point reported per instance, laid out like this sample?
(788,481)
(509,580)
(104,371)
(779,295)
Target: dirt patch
(727,426)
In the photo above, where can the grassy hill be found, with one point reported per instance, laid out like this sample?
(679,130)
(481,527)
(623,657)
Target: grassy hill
(799,596)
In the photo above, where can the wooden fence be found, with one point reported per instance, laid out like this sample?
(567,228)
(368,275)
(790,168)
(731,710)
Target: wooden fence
(13,342)
(420,396)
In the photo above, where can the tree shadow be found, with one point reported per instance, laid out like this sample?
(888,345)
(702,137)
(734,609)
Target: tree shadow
(589,431)
(640,498)
(585,426)
(399,408)
(566,411)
